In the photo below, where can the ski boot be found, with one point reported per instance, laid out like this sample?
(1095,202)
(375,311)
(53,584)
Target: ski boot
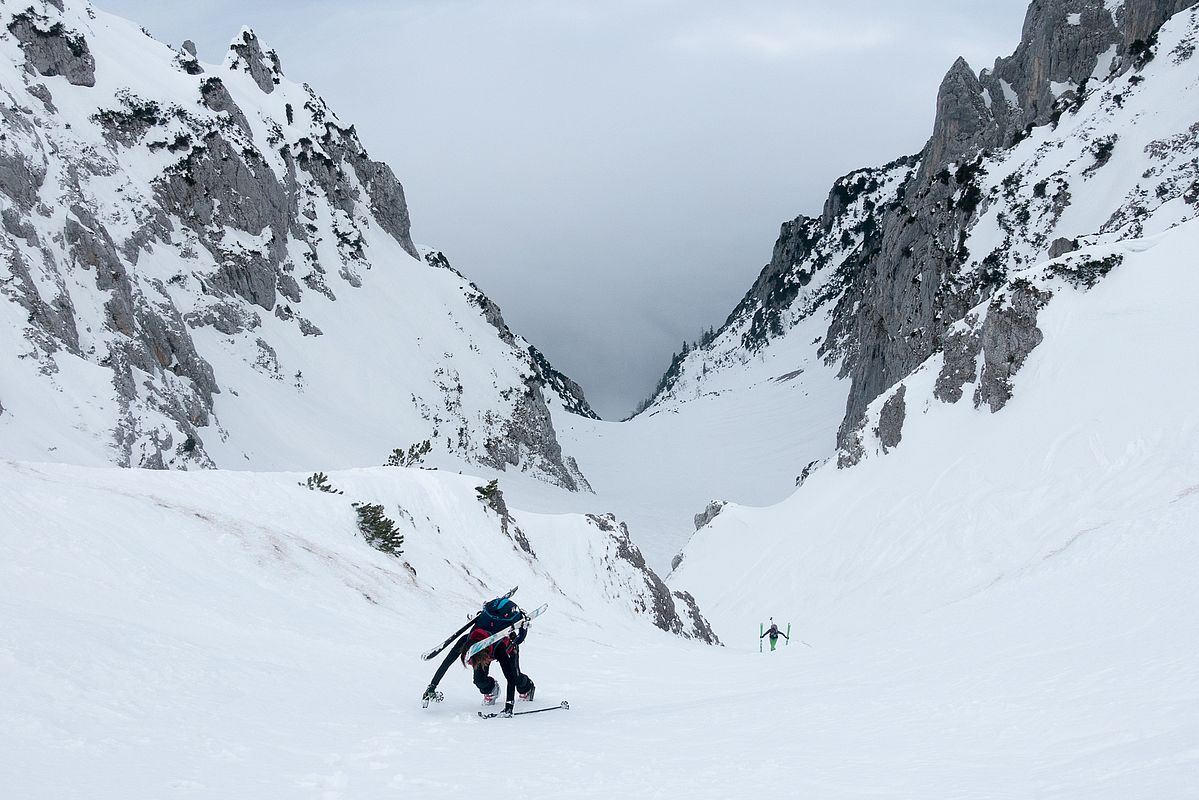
(489,699)
(529,694)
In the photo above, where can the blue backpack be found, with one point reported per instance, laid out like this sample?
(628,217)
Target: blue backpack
(498,614)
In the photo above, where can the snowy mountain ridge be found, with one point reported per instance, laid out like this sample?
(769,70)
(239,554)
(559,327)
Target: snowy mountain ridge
(1085,134)
(203,267)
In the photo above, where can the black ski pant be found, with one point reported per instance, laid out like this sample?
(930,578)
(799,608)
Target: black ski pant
(510,666)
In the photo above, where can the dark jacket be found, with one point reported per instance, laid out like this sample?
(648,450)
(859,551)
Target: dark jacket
(773,632)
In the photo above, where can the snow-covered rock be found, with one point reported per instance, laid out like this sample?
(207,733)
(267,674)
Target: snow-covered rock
(200,266)
(1085,135)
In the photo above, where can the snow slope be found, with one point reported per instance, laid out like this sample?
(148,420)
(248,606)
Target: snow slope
(991,605)
(999,607)
(1022,581)
(208,632)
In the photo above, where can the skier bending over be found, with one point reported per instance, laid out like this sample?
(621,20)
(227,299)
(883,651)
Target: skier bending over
(497,615)
(774,633)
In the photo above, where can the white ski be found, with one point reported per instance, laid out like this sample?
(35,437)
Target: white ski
(511,629)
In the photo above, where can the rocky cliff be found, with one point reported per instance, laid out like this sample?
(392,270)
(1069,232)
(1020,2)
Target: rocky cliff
(1086,134)
(200,265)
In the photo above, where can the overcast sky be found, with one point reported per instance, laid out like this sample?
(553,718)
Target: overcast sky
(613,173)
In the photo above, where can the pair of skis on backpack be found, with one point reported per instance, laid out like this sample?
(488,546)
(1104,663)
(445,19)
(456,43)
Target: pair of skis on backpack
(499,635)
(429,655)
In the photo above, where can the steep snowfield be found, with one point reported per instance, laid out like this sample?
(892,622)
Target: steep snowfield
(1001,606)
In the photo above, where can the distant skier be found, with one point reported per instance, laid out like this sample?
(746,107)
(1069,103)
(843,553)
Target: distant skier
(774,633)
(496,615)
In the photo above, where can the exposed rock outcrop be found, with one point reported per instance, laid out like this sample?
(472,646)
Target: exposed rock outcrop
(649,594)
(960,365)
(890,421)
(245,54)
(52,49)
(710,512)
(1009,334)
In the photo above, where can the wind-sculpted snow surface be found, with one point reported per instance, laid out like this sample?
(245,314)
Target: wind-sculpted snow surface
(200,265)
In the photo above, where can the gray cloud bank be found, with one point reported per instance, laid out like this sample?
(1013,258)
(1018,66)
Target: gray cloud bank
(613,173)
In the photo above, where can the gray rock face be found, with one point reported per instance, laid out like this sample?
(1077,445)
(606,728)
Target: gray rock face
(900,295)
(964,123)
(153,339)
(1009,334)
(1061,246)
(214,95)
(51,317)
(40,91)
(653,597)
(15,225)
(1139,21)
(907,290)
(218,186)
(92,248)
(21,173)
(227,317)
(383,189)
(709,513)
(571,393)
(890,421)
(778,283)
(528,439)
(52,50)
(690,611)
(1051,50)
(528,436)
(961,363)
(20,178)
(246,55)
(850,450)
